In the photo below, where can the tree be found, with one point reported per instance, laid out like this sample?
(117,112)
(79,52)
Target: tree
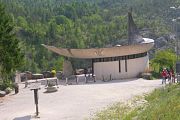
(83,24)
(163,58)
(11,56)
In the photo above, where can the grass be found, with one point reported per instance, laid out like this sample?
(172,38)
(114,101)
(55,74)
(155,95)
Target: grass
(113,113)
(162,104)
(119,111)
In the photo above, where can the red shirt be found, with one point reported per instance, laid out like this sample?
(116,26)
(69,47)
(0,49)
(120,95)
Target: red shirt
(172,72)
(164,73)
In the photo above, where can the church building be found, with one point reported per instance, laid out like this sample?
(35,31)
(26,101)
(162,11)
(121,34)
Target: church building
(117,62)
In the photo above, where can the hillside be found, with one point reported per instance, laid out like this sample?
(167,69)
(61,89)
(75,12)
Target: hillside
(85,24)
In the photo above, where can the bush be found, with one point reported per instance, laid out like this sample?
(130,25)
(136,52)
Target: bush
(6,84)
(156,75)
(8,90)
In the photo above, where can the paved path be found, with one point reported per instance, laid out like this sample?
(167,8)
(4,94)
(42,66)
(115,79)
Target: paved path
(73,102)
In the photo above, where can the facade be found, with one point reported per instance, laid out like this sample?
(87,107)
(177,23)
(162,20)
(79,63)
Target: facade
(120,67)
(117,62)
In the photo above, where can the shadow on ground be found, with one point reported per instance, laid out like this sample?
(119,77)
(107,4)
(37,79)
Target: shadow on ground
(104,82)
(115,81)
(28,117)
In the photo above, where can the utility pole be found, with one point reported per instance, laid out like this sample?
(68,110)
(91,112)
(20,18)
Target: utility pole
(176,22)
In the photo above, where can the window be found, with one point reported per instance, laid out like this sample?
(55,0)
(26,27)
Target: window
(126,64)
(108,59)
(119,65)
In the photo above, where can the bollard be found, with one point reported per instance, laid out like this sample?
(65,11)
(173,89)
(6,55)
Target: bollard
(94,78)
(16,87)
(77,80)
(26,84)
(85,79)
(66,81)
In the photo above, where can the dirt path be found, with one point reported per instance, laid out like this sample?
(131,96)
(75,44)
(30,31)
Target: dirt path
(74,102)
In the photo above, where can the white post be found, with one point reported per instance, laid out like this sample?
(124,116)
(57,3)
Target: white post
(66,81)
(77,79)
(85,80)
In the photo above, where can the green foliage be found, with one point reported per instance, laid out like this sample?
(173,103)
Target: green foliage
(6,84)
(163,104)
(21,22)
(164,58)
(81,24)
(156,75)
(59,64)
(11,56)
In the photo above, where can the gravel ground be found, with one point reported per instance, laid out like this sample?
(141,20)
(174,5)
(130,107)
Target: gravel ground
(73,102)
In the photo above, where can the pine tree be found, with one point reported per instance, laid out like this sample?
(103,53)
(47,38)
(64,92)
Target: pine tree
(11,56)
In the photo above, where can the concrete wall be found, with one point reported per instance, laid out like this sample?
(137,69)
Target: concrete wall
(134,68)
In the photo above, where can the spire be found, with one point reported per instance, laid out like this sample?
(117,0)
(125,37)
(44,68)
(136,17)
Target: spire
(133,33)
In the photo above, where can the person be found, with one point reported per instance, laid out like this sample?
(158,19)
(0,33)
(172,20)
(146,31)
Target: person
(172,75)
(168,75)
(53,71)
(164,75)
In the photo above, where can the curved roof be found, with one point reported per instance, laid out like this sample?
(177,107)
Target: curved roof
(103,52)
(137,44)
